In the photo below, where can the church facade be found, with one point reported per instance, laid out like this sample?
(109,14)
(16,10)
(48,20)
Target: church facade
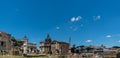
(45,47)
(28,48)
(53,47)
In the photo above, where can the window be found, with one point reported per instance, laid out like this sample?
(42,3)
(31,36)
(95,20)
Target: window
(0,35)
(1,43)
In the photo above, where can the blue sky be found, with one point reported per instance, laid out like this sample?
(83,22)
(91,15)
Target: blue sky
(87,22)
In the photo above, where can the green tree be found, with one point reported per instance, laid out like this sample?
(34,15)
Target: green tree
(73,49)
(116,47)
(82,48)
(16,43)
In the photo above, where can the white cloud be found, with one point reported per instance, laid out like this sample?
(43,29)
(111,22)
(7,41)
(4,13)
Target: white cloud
(96,17)
(73,19)
(74,26)
(88,41)
(108,36)
(78,18)
(119,41)
(57,28)
(113,35)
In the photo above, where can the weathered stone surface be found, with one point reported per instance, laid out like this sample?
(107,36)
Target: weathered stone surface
(73,56)
(54,56)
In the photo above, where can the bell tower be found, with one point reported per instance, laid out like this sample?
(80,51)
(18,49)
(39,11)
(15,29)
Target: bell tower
(25,44)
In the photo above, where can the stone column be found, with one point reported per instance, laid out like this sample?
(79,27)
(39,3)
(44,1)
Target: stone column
(25,48)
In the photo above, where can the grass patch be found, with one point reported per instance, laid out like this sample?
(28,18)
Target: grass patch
(8,56)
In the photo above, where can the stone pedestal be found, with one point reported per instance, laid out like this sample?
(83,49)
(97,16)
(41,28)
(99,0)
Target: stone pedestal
(25,48)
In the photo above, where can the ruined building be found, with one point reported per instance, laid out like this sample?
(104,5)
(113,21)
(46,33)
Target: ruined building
(52,47)
(46,46)
(28,48)
(5,43)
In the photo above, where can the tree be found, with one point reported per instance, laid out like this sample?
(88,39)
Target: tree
(88,49)
(82,48)
(116,47)
(17,43)
(73,49)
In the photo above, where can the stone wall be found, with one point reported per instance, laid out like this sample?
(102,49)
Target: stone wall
(72,56)
(87,55)
(90,55)
(58,56)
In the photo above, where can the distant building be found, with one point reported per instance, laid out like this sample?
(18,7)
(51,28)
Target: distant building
(61,47)
(50,46)
(5,42)
(89,49)
(28,47)
(31,48)
(45,47)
